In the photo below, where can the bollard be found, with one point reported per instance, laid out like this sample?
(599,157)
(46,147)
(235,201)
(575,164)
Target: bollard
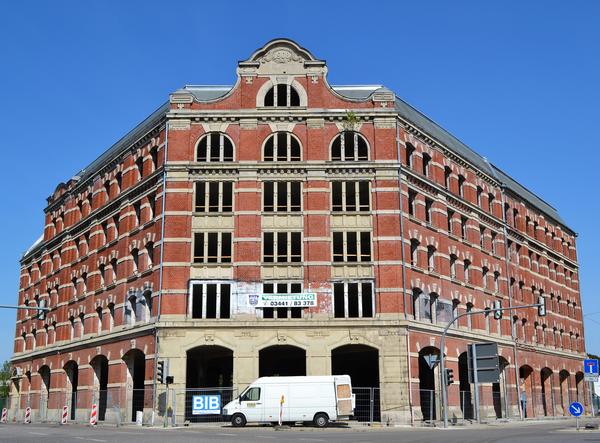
(94,416)
(4,416)
(27,415)
(65,413)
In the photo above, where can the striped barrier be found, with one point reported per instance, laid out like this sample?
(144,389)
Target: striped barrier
(94,415)
(27,415)
(65,413)
(4,418)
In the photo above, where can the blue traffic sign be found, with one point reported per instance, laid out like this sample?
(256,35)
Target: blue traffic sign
(590,366)
(576,409)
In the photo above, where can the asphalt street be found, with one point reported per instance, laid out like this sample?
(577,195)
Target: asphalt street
(549,432)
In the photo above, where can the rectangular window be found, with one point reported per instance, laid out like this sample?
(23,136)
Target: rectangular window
(282,247)
(282,196)
(210,300)
(282,288)
(493,242)
(350,196)
(214,196)
(212,247)
(351,246)
(353,300)
(450,217)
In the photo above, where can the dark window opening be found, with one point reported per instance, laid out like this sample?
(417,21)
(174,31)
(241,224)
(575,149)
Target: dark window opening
(351,146)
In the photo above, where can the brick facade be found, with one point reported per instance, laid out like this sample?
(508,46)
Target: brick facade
(133,277)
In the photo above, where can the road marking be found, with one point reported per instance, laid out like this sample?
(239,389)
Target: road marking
(37,433)
(228,435)
(312,439)
(89,439)
(265,436)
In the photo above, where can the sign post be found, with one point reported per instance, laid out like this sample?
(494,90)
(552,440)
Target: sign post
(590,373)
(576,409)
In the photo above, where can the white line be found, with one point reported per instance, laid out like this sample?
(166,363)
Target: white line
(37,433)
(228,435)
(89,439)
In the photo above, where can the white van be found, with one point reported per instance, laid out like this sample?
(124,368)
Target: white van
(316,399)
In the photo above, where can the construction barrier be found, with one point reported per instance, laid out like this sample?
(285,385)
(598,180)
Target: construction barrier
(27,415)
(94,415)
(65,413)
(4,418)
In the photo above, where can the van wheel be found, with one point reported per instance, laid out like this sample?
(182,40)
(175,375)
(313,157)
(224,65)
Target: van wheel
(321,420)
(238,420)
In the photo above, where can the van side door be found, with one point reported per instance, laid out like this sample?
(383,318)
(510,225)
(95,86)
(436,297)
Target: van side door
(251,404)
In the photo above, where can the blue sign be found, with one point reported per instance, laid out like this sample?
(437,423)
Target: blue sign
(576,409)
(590,366)
(206,404)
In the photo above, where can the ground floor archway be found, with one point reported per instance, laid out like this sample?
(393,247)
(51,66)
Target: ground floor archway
(136,375)
(361,363)
(209,371)
(72,371)
(547,391)
(281,360)
(100,366)
(428,384)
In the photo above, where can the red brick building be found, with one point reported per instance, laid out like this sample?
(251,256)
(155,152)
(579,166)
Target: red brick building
(283,184)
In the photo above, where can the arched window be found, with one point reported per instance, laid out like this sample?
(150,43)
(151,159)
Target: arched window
(149,255)
(410,155)
(281,147)
(99,319)
(461,186)
(426,164)
(136,260)
(484,273)
(414,252)
(467,268)
(282,95)
(431,257)
(349,146)
(453,259)
(214,147)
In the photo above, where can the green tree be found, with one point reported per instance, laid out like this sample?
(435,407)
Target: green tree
(5,374)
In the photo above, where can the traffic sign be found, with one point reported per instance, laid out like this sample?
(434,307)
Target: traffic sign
(590,369)
(576,409)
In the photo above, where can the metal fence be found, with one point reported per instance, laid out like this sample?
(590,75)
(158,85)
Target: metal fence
(368,404)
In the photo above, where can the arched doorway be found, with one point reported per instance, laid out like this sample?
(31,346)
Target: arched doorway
(72,371)
(136,374)
(44,372)
(547,394)
(361,363)
(565,394)
(209,371)
(526,390)
(281,360)
(466,394)
(100,366)
(499,394)
(428,384)
(579,387)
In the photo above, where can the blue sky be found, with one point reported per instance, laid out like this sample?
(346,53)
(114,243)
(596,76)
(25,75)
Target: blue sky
(517,81)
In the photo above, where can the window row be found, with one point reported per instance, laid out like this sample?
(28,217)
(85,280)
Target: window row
(111,188)
(282,196)
(282,147)
(282,247)
(458,184)
(213,300)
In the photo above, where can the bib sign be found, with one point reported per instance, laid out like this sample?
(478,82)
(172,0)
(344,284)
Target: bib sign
(206,404)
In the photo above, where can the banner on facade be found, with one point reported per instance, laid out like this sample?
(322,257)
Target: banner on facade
(302,300)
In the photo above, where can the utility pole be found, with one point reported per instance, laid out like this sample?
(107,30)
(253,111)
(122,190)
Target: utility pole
(541,305)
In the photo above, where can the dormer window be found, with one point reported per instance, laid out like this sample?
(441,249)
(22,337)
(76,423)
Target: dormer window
(282,95)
